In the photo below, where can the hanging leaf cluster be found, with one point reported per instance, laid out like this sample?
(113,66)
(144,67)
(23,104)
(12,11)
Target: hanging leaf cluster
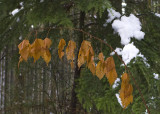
(39,48)
(69,51)
(86,55)
(126,91)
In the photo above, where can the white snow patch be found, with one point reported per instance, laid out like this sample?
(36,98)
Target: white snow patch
(157,14)
(119,99)
(15,11)
(127,28)
(124,4)
(116,84)
(118,51)
(144,60)
(128,52)
(112,14)
(156,76)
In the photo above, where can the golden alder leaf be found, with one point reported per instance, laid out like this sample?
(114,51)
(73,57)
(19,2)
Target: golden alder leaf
(91,65)
(101,57)
(81,58)
(100,70)
(126,91)
(86,54)
(100,66)
(36,49)
(70,50)
(47,43)
(61,45)
(83,52)
(46,56)
(24,49)
(110,70)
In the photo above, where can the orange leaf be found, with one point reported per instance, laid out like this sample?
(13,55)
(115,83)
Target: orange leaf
(111,76)
(100,70)
(126,91)
(36,49)
(101,57)
(46,56)
(110,70)
(24,49)
(61,45)
(47,43)
(91,65)
(70,50)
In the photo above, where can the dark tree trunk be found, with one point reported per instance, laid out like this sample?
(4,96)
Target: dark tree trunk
(77,70)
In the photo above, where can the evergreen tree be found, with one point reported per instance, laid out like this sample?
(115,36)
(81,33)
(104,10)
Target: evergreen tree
(37,88)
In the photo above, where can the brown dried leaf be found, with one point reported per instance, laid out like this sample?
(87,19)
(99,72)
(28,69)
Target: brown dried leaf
(101,57)
(47,43)
(24,49)
(61,45)
(100,70)
(70,50)
(46,56)
(111,76)
(36,49)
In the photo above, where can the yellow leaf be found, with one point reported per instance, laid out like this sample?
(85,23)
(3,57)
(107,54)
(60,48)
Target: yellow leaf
(91,65)
(81,58)
(47,43)
(125,78)
(110,70)
(101,57)
(100,70)
(111,76)
(24,49)
(109,64)
(36,49)
(61,45)
(70,50)
(126,91)
(46,56)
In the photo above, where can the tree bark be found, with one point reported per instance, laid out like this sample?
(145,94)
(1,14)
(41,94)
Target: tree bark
(77,70)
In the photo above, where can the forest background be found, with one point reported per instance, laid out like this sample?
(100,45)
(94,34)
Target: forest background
(37,88)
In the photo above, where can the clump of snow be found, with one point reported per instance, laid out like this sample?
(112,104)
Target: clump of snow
(118,51)
(119,100)
(124,4)
(156,76)
(127,28)
(15,11)
(157,14)
(144,60)
(112,14)
(116,83)
(128,52)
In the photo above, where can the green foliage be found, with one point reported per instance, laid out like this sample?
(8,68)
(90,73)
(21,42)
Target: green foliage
(98,5)
(96,94)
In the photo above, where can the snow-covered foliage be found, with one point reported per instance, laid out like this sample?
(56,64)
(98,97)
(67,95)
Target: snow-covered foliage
(156,76)
(128,52)
(15,11)
(112,14)
(157,14)
(127,28)
(116,83)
